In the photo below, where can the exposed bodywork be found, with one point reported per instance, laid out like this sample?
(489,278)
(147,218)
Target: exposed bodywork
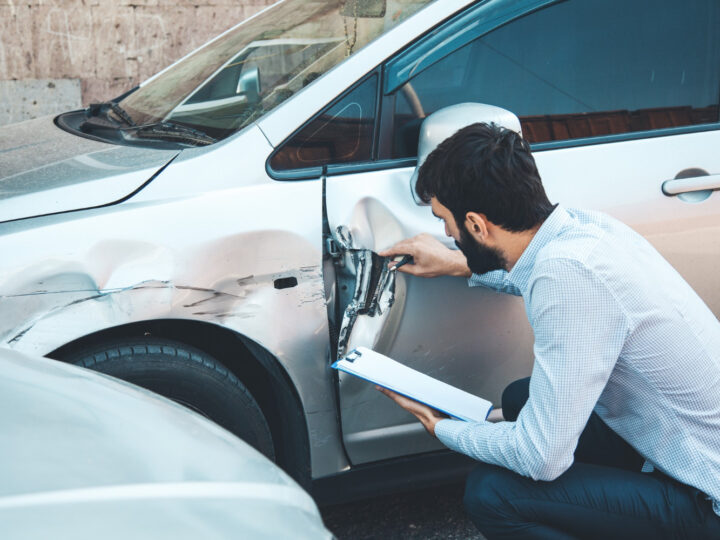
(366,318)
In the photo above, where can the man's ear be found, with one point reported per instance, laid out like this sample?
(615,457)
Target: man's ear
(476,224)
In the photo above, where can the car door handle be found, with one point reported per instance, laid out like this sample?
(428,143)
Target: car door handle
(694,183)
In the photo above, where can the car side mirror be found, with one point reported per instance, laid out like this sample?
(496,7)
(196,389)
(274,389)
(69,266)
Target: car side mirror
(445,122)
(249,85)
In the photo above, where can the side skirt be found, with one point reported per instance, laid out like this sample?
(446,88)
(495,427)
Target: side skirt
(392,476)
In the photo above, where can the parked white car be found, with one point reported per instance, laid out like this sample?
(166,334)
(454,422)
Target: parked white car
(185,237)
(87,456)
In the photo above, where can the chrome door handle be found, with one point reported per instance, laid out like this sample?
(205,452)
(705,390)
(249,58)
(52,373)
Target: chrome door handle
(695,183)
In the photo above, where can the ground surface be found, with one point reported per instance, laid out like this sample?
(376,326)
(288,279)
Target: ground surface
(430,514)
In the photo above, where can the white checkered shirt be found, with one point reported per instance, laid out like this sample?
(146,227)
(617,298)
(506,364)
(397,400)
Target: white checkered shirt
(618,331)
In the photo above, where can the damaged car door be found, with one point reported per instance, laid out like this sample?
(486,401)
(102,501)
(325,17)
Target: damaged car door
(429,324)
(426,324)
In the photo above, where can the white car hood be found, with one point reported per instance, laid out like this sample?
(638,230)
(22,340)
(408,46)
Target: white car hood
(87,456)
(44,170)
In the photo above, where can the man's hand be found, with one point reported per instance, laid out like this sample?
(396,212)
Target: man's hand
(427,415)
(430,257)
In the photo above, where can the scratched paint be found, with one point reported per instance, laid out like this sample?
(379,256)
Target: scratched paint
(212,259)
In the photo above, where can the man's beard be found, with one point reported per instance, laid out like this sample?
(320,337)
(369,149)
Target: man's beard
(480,259)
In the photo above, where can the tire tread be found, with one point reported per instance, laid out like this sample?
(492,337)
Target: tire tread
(98,356)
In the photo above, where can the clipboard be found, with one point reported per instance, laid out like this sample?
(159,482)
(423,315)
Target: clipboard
(388,373)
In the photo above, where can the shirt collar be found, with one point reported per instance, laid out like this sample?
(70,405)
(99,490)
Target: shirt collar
(548,231)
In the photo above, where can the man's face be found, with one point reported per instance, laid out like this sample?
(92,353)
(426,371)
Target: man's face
(481,258)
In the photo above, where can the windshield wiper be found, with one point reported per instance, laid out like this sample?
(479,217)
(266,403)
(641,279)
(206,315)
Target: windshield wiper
(109,119)
(97,109)
(171,131)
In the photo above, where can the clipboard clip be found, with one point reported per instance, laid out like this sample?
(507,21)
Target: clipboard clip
(353,355)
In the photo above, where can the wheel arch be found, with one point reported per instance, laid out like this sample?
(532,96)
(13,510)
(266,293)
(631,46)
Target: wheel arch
(256,367)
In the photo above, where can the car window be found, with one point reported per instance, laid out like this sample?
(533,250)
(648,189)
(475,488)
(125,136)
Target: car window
(580,69)
(271,62)
(342,133)
(252,68)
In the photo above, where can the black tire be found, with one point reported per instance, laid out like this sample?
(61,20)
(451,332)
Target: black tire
(188,376)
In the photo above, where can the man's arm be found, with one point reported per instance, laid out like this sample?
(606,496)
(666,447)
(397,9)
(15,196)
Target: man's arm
(430,257)
(579,331)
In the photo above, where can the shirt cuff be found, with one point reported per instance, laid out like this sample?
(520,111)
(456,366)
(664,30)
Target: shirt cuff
(448,431)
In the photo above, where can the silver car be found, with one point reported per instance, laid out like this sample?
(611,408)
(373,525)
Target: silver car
(87,456)
(212,235)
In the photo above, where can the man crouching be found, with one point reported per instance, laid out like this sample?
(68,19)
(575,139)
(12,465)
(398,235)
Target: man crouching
(617,432)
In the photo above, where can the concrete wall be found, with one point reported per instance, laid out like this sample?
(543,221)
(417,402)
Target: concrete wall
(57,55)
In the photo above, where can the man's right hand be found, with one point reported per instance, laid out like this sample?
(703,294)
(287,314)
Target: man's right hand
(430,257)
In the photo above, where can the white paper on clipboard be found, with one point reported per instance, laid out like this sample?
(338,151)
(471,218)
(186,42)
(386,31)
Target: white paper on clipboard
(385,371)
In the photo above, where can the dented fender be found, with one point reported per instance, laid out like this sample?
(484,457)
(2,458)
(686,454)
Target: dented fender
(211,239)
(51,300)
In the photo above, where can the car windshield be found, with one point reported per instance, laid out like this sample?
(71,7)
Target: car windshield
(252,68)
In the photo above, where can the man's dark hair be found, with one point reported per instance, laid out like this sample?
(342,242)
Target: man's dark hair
(487,169)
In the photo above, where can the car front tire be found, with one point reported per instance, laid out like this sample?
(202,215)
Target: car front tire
(189,377)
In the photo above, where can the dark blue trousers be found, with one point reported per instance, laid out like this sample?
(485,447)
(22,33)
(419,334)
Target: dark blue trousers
(602,495)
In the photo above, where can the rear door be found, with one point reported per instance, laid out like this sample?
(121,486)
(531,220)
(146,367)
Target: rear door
(617,98)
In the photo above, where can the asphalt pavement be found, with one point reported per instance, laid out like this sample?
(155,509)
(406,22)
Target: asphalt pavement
(428,514)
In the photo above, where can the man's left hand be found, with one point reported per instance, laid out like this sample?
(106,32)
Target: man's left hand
(427,415)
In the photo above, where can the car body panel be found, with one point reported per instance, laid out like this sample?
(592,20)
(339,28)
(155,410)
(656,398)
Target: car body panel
(87,454)
(624,179)
(232,163)
(213,258)
(47,170)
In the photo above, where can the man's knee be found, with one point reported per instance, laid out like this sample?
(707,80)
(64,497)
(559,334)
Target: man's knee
(484,493)
(514,398)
